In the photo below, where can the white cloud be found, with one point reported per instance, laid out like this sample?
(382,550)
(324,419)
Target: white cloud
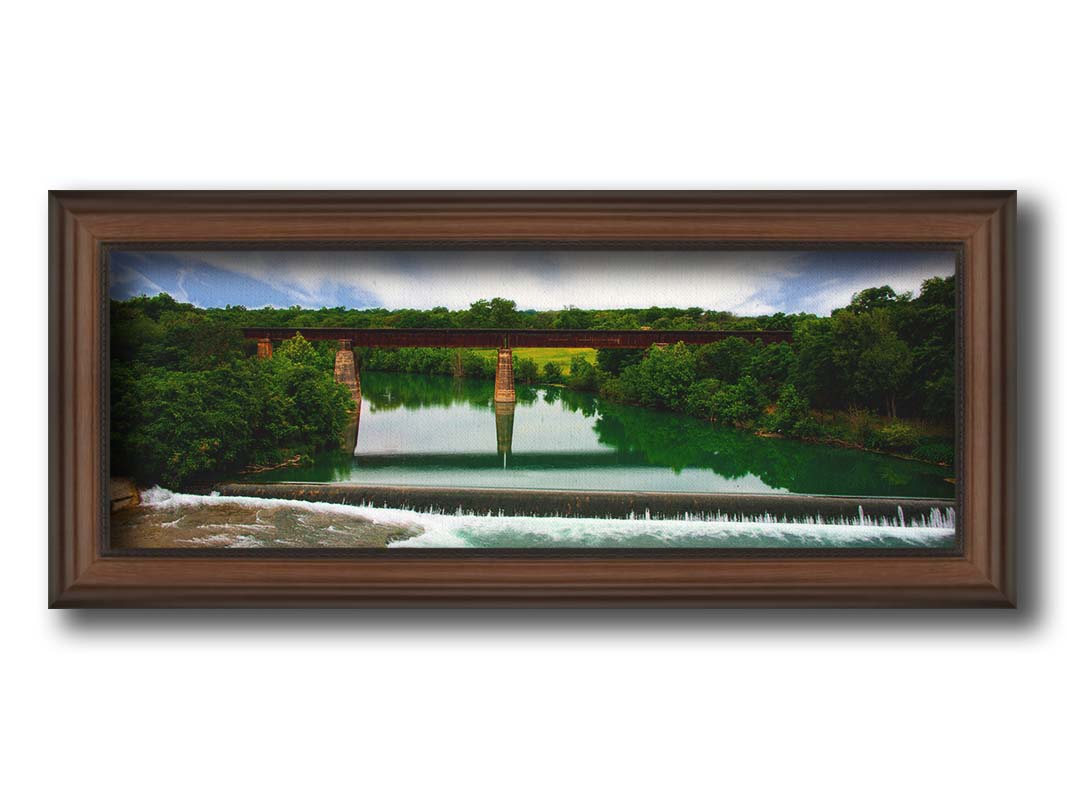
(542,280)
(744,282)
(837,291)
(134,282)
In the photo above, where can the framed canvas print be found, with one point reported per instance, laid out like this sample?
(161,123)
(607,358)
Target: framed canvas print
(643,399)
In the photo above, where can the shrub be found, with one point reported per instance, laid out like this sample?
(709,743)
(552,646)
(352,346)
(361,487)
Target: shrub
(737,404)
(896,436)
(792,416)
(862,423)
(938,452)
(525,370)
(583,375)
(698,401)
(662,379)
(476,366)
(553,372)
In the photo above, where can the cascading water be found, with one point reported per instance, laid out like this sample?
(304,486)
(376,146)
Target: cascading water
(188,520)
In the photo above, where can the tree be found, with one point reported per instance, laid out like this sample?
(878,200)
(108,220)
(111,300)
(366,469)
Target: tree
(816,375)
(662,379)
(613,361)
(698,401)
(574,318)
(873,361)
(725,360)
(495,313)
(792,415)
(525,370)
(938,291)
(737,404)
(771,366)
(583,375)
(877,297)
(553,372)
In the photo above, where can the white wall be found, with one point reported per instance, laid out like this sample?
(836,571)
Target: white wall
(552,95)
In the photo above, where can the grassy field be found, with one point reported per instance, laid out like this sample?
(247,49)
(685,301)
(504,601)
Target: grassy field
(542,355)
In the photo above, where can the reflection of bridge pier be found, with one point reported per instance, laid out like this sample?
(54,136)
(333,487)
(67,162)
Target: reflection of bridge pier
(505,427)
(345,369)
(351,432)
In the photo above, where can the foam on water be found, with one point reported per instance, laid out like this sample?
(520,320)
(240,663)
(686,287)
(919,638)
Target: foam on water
(458,530)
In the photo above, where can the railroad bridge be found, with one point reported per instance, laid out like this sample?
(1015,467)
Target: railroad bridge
(346,367)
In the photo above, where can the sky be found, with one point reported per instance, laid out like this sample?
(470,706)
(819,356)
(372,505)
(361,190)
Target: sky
(742,281)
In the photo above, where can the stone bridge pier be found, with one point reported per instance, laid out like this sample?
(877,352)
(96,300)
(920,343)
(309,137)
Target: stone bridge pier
(504,390)
(346,370)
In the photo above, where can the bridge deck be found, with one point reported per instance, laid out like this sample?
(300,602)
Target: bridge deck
(492,337)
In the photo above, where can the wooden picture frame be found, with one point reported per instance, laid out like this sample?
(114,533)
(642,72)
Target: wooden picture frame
(84,574)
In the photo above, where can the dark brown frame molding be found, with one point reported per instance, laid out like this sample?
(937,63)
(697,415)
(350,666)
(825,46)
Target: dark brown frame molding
(83,224)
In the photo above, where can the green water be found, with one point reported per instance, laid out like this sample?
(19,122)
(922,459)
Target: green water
(436,431)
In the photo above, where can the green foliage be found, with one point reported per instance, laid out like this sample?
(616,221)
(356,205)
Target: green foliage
(474,365)
(495,313)
(188,404)
(862,423)
(939,397)
(525,370)
(614,361)
(726,360)
(792,415)
(877,297)
(872,361)
(738,403)
(662,379)
(771,366)
(553,372)
(698,399)
(574,319)
(816,375)
(897,437)
(582,375)
(937,452)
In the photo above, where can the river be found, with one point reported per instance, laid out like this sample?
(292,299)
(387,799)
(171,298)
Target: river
(417,430)
(435,431)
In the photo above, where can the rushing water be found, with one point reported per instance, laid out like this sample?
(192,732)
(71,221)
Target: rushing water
(436,431)
(167,519)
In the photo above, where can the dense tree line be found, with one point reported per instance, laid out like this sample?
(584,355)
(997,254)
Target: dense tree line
(882,355)
(502,313)
(189,400)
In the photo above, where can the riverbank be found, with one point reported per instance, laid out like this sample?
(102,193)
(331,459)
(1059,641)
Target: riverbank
(165,519)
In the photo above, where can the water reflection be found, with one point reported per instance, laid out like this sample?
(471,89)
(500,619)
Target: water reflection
(428,430)
(505,428)
(351,433)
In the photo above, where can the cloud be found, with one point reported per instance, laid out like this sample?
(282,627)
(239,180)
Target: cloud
(744,282)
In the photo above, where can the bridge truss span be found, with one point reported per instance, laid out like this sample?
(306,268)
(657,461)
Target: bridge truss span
(346,368)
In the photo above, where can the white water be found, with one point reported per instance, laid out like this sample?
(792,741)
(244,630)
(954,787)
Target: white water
(459,529)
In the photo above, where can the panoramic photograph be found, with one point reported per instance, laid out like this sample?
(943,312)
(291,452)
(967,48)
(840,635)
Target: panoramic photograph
(796,399)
